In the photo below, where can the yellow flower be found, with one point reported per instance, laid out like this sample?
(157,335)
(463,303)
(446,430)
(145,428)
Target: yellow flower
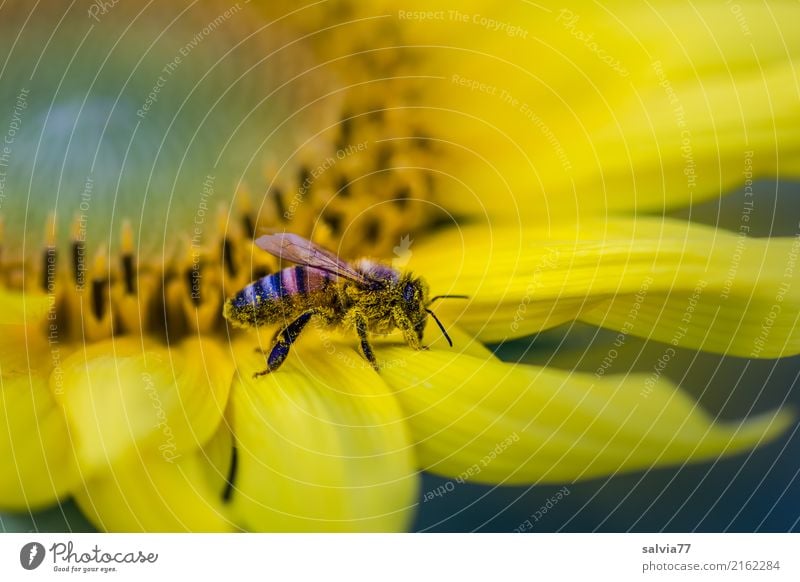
(501,153)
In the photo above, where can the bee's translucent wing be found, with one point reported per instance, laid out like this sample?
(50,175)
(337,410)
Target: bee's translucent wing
(296,249)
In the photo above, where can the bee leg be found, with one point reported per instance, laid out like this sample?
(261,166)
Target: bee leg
(419,329)
(272,341)
(287,336)
(412,333)
(413,339)
(366,349)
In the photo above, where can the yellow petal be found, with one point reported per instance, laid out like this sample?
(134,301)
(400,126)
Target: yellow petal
(127,394)
(596,108)
(487,421)
(321,444)
(463,343)
(156,493)
(38,461)
(728,294)
(22,308)
(688,285)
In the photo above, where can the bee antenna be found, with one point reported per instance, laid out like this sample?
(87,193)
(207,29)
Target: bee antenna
(447,297)
(439,323)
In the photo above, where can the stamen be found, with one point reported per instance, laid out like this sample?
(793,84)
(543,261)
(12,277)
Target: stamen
(78,260)
(50,231)
(99,284)
(50,256)
(372,232)
(245,210)
(128,274)
(429,182)
(248,226)
(401,196)
(422,140)
(333,221)
(228,257)
(303,176)
(376,114)
(343,187)
(49,271)
(98,298)
(384,156)
(78,254)
(227,248)
(128,266)
(346,127)
(193,281)
(163,296)
(277,199)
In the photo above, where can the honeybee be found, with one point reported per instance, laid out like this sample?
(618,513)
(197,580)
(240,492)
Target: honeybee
(365,296)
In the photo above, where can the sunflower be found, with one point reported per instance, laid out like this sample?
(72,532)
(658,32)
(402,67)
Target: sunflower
(525,156)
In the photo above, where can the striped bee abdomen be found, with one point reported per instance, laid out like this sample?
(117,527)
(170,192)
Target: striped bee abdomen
(267,299)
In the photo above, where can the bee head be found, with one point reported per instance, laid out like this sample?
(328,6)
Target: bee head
(415,302)
(411,291)
(414,296)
